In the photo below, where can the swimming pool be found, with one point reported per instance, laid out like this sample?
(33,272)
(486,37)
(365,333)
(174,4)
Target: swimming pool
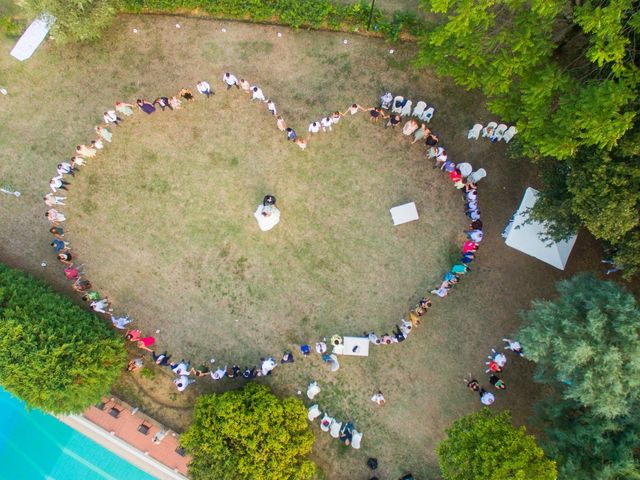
(35,446)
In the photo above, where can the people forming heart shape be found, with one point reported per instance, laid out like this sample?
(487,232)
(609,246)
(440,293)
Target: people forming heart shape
(388,114)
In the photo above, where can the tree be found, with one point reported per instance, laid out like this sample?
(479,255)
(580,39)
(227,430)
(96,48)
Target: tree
(249,434)
(76,20)
(487,446)
(53,355)
(586,344)
(566,73)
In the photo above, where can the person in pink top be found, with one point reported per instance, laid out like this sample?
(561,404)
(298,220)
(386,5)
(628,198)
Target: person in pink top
(469,246)
(143,342)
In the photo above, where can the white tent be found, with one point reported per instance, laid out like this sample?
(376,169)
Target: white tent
(525,236)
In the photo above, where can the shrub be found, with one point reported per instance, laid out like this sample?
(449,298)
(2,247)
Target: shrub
(53,355)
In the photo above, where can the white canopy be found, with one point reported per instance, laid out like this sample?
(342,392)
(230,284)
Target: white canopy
(525,236)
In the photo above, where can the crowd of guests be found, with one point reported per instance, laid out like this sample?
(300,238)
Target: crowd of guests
(185,374)
(494,367)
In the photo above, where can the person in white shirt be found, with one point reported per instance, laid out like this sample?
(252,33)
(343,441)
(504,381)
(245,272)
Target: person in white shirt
(373,338)
(354,108)
(183,382)
(271,107)
(487,398)
(267,365)
(64,168)
(514,346)
(231,80)
(256,93)
(120,322)
(50,200)
(385,100)
(378,398)
(204,88)
(314,127)
(110,116)
(326,123)
(181,368)
(220,373)
(475,235)
(57,183)
(100,305)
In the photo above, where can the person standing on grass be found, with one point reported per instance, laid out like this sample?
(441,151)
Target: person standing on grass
(474,235)
(230,80)
(85,151)
(291,135)
(101,305)
(65,257)
(314,127)
(204,88)
(50,200)
(245,86)
(375,114)
(162,102)
(59,245)
(186,94)
(162,359)
(335,118)
(486,398)
(354,108)
(120,322)
(326,123)
(147,107)
(256,94)
(378,398)
(497,382)
(104,133)
(301,142)
(472,383)
(280,123)
(124,108)
(271,106)
(110,116)
(514,346)
(394,121)
(55,216)
(183,382)
(175,103)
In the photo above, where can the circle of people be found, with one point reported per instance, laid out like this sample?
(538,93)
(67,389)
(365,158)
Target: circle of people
(390,109)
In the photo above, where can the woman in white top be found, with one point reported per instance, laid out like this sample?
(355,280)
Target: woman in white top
(314,127)
(326,123)
(271,107)
(110,116)
(204,88)
(354,108)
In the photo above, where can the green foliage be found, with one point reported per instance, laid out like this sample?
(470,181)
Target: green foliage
(484,445)
(53,355)
(11,26)
(147,373)
(566,73)
(249,434)
(588,446)
(76,20)
(586,345)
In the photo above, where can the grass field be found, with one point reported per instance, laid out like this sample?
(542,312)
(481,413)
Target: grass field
(163,221)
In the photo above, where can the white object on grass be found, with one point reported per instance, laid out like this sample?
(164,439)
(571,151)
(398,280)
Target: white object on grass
(404,213)
(391,51)
(32,37)
(419,109)
(465,169)
(313,390)
(10,192)
(474,133)
(345,41)
(177,25)
(267,222)
(397,101)
(314,412)
(499,133)
(356,438)
(4,91)
(406,110)
(509,134)
(355,346)
(224,30)
(335,428)
(279,34)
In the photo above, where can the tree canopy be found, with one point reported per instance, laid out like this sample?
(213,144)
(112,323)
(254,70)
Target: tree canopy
(566,74)
(249,433)
(485,445)
(53,355)
(586,344)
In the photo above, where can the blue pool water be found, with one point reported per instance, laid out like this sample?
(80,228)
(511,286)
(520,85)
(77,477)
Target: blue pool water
(37,446)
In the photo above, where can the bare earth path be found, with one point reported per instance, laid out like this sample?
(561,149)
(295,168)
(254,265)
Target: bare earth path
(55,99)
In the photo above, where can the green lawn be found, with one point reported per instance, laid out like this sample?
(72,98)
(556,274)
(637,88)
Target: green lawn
(163,221)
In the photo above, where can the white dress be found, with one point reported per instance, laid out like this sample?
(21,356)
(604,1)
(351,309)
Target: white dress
(267,222)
